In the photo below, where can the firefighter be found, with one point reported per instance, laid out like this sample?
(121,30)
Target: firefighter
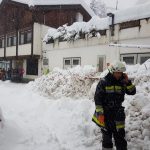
(109,114)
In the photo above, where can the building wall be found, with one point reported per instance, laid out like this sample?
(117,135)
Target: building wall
(39,33)
(24,49)
(89,52)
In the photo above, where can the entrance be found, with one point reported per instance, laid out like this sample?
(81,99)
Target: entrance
(101,63)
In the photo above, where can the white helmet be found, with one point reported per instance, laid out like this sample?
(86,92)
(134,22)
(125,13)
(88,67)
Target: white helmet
(117,66)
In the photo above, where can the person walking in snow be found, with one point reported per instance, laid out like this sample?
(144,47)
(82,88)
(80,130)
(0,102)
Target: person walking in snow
(109,114)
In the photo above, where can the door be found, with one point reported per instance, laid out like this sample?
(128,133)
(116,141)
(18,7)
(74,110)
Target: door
(101,63)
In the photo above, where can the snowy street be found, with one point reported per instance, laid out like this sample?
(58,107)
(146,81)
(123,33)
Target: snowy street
(34,122)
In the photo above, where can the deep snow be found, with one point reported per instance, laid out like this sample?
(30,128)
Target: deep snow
(35,122)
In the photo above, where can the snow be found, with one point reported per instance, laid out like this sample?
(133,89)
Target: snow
(96,23)
(75,82)
(33,121)
(73,32)
(133,13)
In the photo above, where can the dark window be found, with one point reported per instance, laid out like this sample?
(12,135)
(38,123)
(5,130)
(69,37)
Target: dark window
(32,66)
(129,24)
(76,62)
(1,42)
(11,40)
(71,62)
(67,62)
(143,59)
(25,37)
(129,60)
(45,62)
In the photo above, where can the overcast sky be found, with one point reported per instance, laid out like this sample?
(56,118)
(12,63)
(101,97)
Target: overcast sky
(121,3)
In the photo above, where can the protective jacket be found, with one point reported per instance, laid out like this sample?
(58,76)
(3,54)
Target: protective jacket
(109,97)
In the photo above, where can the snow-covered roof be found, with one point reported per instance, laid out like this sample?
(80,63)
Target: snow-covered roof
(58,2)
(96,23)
(134,13)
(67,32)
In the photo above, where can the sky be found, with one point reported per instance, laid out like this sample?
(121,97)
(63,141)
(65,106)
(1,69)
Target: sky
(122,4)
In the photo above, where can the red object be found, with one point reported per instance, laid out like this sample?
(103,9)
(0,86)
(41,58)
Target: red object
(101,118)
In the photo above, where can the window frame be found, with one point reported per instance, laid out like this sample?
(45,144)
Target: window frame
(130,55)
(71,62)
(23,37)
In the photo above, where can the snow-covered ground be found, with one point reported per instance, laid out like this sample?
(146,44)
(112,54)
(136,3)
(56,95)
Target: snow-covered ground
(36,122)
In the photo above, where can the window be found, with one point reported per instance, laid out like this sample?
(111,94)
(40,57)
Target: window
(130,59)
(143,59)
(25,37)
(45,62)
(101,63)
(1,42)
(32,66)
(11,40)
(71,62)
(129,24)
(29,37)
(79,17)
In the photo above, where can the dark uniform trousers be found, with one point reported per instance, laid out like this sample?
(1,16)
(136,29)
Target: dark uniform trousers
(119,137)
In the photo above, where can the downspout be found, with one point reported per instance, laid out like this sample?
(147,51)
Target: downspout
(17,27)
(32,36)
(5,35)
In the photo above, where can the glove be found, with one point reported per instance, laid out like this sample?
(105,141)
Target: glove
(98,116)
(101,120)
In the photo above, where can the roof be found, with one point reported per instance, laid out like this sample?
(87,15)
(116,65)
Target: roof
(57,2)
(133,13)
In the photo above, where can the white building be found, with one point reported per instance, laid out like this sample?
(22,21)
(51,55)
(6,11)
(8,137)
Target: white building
(125,35)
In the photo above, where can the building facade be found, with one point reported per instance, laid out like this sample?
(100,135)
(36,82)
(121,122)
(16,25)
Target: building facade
(23,26)
(126,39)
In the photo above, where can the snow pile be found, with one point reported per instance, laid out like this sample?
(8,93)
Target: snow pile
(78,29)
(34,122)
(138,108)
(74,82)
(138,118)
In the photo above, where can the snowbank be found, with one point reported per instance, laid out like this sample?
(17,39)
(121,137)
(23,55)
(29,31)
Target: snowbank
(37,122)
(137,107)
(74,82)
